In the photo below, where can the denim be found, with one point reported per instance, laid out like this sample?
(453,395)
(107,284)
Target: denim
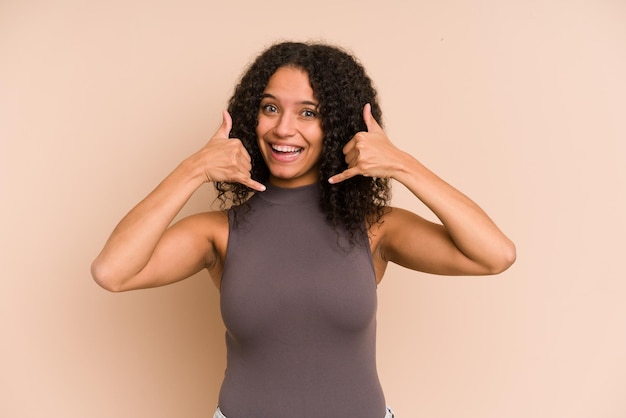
(218,413)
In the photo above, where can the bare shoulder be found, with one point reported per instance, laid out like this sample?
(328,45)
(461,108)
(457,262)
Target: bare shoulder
(212,219)
(405,238)
(206,224)
(394,218)
(210,225)
(210,230)
(217,225)
(379,232)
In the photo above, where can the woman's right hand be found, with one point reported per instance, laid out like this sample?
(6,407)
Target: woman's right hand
(225,159)
(145,251)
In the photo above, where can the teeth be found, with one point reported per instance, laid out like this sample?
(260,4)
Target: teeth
(285,148)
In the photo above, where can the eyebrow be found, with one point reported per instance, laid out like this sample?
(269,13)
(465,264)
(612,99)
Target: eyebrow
(303,102)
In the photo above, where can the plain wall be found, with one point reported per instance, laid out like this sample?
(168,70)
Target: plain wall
(519,104)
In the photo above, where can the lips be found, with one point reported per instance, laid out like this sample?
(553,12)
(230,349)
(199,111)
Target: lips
(286,149)
(285,153)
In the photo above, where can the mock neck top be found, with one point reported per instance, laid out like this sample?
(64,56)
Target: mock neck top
(290,196)
(299,305)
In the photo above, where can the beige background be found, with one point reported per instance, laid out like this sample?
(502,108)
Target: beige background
(520,104)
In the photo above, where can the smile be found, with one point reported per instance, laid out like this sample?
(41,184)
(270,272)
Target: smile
(286,149)
(285,153)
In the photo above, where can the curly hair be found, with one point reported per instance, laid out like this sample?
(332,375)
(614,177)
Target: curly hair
(342,88)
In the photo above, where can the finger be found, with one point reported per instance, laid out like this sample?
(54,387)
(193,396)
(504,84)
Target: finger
(345,175)
(243,156)
(254,185)
(224,129)
(370,122)
(347,149)
(351,158)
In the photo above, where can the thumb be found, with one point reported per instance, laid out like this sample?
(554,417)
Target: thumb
(227,123)
(370,122)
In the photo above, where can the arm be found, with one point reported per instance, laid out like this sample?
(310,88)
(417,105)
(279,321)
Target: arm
(143,251)
(467,242)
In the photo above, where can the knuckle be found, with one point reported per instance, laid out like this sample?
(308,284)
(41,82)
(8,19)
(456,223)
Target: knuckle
(360,136)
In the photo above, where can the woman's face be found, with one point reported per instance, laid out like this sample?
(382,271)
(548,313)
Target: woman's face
(289,129)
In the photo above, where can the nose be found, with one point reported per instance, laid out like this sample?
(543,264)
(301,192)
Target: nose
(285,126)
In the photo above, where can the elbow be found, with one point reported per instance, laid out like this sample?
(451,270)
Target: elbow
(504,260)
(104,279)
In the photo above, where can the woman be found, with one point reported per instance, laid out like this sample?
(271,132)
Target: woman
(303,159)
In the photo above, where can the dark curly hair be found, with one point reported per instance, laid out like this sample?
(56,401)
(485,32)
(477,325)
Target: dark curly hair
(342,88)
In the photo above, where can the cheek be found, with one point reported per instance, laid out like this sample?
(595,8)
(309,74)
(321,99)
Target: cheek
(317,136)
(259,126)
(263,126)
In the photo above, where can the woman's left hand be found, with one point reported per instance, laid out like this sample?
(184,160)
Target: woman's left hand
(467,242)
(370,153)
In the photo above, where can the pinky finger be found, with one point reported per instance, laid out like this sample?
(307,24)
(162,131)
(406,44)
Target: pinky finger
(345,175)
(255,185)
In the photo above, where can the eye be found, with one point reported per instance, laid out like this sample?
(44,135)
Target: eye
(269,108)
(309,114)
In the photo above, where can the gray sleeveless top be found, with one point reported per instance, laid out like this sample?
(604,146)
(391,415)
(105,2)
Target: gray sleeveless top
(300,313)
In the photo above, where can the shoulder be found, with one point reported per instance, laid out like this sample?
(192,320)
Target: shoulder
(211,230)
(392,217)
(205,221)
(209,227)
(396,227)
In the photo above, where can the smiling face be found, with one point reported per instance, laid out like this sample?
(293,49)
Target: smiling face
(289,130)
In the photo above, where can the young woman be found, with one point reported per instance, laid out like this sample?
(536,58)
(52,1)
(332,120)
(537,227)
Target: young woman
(302,166)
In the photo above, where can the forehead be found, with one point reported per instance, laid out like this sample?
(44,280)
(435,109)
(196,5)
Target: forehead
(290,81)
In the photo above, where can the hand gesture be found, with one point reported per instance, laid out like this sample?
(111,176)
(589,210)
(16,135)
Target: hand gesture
(225,159)
(369,153)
